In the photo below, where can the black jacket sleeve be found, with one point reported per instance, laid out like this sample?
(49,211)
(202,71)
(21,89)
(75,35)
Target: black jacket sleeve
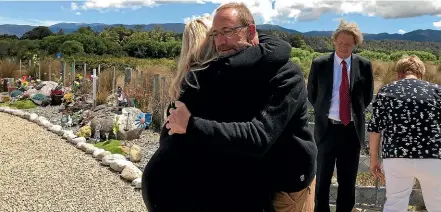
(270,50)
(369,94)
(312,83)
(256,136)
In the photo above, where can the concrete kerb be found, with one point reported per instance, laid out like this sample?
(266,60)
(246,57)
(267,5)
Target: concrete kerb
(116,162)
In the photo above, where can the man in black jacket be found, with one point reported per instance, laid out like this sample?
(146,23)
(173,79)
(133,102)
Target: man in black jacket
(340,87)
(254,118)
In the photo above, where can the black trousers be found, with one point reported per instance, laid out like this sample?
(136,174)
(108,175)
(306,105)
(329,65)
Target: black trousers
(340,147)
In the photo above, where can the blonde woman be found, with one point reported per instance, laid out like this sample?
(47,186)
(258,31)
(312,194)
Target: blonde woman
(177,177)
(407,114)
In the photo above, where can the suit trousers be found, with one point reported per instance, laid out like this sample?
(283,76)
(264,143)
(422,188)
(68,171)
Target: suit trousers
(339,148)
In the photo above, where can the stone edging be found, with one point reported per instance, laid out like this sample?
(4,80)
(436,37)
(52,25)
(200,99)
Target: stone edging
(117,162)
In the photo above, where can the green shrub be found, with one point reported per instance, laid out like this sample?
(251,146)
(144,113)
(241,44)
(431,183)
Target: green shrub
(113,146)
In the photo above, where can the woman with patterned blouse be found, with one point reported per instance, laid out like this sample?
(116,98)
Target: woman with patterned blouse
(407,115)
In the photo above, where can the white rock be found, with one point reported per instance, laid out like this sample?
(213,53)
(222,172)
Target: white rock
(137,182)
(46,124)
(88,148)
(26,115)
(119,164)
(97,151)
(80,144)
(18,113)
(33,117)
(40,120)
(109,158)
(76,140)
(131,172)
(101,155)
(57,129)
(2,109)
(67,132)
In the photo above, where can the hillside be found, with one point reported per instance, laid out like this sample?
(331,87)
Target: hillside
(417,35)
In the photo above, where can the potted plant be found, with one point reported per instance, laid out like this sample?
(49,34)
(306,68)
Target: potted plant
(57,96)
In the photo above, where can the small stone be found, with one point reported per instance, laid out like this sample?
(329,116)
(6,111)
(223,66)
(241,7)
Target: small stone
(131,172)
(135,153)
(109,158)
(80,144)
(78,140)
(57,129)
(137,182)
(97,152)
(119,164)
(101,155)
(33,117)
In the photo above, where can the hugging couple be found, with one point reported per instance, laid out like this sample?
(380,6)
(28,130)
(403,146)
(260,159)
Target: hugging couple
(236,136)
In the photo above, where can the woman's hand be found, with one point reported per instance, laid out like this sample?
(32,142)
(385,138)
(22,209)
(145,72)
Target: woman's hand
(375,168)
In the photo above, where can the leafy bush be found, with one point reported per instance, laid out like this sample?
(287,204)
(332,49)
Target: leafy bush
(113,146)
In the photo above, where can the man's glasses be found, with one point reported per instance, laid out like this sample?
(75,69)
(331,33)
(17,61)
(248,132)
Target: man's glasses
(226,32)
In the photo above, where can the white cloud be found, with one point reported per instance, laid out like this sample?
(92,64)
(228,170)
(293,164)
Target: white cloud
(437,24)
(295,9)
(77,13)
(32,22)
(401,31)
(74,6)
(188,19)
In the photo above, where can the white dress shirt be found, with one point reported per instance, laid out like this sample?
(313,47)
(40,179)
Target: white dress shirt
(334,111)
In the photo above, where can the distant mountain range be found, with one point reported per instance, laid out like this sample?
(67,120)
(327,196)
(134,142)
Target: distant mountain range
(417,35)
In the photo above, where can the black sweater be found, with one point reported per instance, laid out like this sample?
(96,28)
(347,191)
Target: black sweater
(247,136)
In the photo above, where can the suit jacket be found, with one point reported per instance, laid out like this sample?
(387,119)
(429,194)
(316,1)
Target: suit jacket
(320,83)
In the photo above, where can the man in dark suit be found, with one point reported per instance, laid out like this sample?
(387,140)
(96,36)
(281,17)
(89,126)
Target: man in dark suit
(340,87)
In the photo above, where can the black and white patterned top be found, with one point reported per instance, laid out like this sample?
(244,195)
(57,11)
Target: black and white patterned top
(408,114)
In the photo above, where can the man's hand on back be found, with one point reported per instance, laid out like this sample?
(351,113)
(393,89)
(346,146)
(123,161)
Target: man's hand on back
(178,119)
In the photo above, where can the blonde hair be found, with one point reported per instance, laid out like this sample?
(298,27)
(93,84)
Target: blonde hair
(411,65)
(197,50)
(349,28)
(244,14)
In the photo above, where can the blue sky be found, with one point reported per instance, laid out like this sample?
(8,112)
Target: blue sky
(390,17)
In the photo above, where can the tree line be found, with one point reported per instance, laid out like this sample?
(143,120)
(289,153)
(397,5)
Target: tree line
(158,43)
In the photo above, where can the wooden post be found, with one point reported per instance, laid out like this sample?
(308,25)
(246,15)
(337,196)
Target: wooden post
(21,73)
(85,72)
(114,80)
(63,71)
(39,71)
(157,113)
(94,88)
(128,76)
(73,72)
(50,72)
(147,84)
(163,99)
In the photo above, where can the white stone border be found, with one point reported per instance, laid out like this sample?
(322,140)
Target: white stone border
(128,171)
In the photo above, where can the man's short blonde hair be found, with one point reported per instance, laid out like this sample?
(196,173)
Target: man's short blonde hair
(244,14)
(349,28)
(411,65)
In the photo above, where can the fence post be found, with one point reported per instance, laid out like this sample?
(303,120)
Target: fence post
(163,99)
(21,73)
(157,114)
(94,88)
(73,72)
(39,71)
(63,71)
(114,80)
(147,84)
(128,76)
(85,72)
(50,71)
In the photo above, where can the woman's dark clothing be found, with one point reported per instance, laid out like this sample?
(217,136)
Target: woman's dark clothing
(408,113)
(209,168)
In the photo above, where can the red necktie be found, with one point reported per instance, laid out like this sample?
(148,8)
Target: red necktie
(345,108)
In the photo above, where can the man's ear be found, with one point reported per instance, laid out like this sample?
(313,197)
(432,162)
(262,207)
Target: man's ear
(251,31)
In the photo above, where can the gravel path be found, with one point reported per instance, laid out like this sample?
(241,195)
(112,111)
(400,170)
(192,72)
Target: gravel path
(41,172)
